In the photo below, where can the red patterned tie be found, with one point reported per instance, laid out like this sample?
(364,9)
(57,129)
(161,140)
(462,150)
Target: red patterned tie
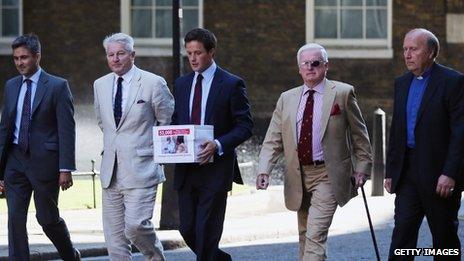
(305,144)
(195,118)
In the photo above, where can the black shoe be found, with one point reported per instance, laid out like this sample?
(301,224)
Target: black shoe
(77,255)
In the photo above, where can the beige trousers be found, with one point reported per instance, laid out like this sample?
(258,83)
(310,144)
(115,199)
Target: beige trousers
(127,214)
(316,213)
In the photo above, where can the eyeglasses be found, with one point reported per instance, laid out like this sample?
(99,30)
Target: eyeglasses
(308,64)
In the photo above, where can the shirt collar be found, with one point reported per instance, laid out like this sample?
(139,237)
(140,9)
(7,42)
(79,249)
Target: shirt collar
(319,88)
(128,75)
(208,74)
(35,77)
(425,74)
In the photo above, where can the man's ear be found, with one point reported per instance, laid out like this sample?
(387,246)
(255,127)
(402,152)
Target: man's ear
(212,52)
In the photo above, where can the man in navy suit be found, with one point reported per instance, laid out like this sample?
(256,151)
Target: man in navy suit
(426,148)
(37,141)
(210,96)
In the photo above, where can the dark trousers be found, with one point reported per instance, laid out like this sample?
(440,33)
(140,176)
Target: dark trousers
(412,203)
(202,212)
(20,182)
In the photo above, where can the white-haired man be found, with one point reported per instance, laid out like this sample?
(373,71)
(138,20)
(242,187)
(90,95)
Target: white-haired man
(319,128)
(128,103)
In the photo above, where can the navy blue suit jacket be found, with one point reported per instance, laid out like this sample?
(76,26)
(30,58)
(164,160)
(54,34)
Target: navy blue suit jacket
(52,127)
(439,131)
(228,110)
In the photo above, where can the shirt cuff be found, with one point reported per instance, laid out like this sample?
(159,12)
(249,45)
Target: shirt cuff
(219,148)
(66,170)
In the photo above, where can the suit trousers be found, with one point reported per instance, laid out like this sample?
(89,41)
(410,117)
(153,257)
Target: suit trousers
(21,181)
(412,203)
(316,213)
(127,214)
(202,211)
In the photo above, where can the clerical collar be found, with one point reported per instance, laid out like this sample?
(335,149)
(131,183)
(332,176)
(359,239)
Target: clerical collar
(425,74)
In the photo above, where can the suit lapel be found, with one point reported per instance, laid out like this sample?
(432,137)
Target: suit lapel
(432,85)
(215,89)
(14,94)
(327,102)
(134,88)
(293,105)
(185,97)
(40,91)
(403,93)
(106,103)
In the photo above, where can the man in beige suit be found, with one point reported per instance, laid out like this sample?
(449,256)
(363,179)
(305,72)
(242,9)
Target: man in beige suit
(320,130)
(128,103)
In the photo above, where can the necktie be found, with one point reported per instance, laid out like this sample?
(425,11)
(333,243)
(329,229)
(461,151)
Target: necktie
(118,102)
(195,118)
(305,144)
(23,139)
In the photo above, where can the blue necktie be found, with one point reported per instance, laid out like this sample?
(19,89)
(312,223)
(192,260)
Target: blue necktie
(23,139)
(118,102)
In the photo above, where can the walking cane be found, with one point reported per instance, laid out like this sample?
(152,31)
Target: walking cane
(370,225)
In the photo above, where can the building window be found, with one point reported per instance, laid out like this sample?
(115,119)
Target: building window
(351,28)
(150,23)
(10,23)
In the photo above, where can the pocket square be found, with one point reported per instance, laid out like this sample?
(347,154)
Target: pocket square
(335,110)
(140,101)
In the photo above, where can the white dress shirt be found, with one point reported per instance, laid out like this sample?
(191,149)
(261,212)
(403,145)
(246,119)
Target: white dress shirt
(126,83)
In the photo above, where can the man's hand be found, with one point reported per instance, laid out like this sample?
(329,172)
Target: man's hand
(262,181)
(2,186)
(445,186)
(359,179)
(388,184)
(65,180)
(209,148)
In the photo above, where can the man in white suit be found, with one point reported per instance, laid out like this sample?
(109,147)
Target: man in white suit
(128,103)
(320,130)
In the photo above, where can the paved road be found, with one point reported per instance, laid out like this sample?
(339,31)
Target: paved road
(352,246)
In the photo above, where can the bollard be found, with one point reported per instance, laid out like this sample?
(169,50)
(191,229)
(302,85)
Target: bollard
(378,146)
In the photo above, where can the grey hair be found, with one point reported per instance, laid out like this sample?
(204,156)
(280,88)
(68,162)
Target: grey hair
(121,38)
(312,46)
(432,41)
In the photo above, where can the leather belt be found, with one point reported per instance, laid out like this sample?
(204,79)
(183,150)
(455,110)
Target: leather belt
(315,163)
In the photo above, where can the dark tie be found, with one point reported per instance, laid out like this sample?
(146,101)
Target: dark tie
(305,144)
(118,102)
(195,118)
(23,139)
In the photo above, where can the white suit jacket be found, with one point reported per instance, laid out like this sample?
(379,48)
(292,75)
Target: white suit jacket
(149,103)
(345,142)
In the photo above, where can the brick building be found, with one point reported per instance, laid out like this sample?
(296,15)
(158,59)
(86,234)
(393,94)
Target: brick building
(257,39)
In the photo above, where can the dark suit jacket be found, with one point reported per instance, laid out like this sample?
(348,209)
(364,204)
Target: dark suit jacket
(52,128)
(439,131)
(228,110)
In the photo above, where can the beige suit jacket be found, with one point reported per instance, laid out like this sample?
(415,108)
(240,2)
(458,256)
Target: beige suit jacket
(345,142)
(149,103)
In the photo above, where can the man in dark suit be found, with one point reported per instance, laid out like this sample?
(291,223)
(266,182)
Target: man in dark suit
(37,140)
(210,96)
(426,148)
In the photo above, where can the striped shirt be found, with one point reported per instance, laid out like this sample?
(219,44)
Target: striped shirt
(318,153)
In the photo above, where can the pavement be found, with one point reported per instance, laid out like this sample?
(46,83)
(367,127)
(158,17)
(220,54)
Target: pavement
(252,215)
